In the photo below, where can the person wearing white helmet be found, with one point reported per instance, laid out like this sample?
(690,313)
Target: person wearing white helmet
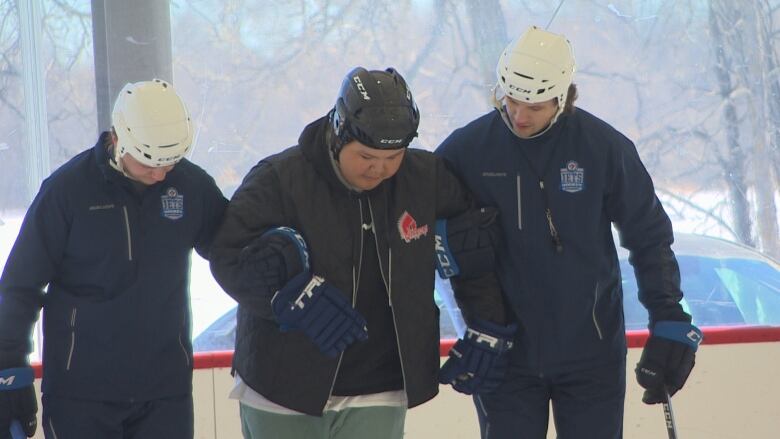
(562,178)
(152,131)
(104,250)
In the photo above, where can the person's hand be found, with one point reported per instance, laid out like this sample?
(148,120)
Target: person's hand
(310,304)
(17,401)
(478,362)
(667,359)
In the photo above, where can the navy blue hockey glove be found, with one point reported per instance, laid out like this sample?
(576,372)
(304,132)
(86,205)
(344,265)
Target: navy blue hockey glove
(274,258)
(17,401)
(309,304)
(667,359)
(478,361)
(466,244)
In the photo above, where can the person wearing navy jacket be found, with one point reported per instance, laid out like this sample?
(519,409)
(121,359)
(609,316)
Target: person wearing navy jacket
(562,178)
(105,251)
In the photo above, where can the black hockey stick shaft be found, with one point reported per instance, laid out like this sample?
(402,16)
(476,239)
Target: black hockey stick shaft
(671,428)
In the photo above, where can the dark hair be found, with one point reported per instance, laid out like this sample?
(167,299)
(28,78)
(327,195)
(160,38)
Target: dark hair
(571,96)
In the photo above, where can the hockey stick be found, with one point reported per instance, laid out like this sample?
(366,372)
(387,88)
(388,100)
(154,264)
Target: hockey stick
(671,428)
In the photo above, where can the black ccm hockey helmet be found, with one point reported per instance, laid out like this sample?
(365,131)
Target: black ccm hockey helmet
(375,108)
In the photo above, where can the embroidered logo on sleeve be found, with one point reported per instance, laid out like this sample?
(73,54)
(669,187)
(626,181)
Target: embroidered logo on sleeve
(101,207)
(408,228)
(572,177)
(172,204)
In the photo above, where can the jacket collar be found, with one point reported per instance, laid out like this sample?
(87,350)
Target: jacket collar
(102,149)
(551,133)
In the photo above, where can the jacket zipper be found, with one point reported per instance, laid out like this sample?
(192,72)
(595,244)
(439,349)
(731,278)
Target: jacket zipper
(355,283)
(51,428)
(181,344)
(593,313)
(519,205)
(127,232)
(72,337)
(388,285)
(481,407)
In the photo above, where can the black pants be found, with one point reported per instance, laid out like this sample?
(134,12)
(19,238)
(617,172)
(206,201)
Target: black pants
(65,418)
(586,404)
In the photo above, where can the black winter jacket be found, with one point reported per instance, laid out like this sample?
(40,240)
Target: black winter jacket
(299,188)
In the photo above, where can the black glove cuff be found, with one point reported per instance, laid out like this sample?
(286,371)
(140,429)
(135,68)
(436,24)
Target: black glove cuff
(8,361)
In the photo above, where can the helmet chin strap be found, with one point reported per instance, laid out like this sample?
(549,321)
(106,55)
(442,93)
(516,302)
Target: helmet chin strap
(499,105)
(116,160)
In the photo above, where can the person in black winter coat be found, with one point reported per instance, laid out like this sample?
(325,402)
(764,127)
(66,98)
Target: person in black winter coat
(561,179)
(105,250)
(329,249)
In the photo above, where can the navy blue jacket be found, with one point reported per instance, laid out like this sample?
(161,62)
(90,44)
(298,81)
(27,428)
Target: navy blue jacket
(116,320)
(568,301)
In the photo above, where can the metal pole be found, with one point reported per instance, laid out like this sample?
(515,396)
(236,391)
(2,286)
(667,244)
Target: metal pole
(36,120)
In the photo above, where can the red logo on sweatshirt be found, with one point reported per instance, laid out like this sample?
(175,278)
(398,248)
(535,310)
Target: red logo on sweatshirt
(407,227)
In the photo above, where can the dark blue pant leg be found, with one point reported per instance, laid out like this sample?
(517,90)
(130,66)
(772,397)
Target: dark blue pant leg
(517,410)
(66,418)
(589,403)
(169,418)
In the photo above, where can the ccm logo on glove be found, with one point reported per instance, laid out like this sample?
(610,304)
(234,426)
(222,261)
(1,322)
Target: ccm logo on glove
(667,359)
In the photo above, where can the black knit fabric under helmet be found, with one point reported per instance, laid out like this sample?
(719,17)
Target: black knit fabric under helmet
(376,108)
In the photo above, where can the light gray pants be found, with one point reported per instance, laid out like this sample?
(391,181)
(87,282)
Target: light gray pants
(378,422)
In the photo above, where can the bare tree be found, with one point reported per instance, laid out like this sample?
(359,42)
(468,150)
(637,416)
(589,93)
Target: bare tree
(69,85)
(725,37)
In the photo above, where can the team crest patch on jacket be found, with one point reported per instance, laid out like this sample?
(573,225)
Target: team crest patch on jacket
(408,228)
(172,204)
(572,177)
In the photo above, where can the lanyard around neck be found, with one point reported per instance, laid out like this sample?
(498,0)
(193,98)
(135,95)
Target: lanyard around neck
(556,238)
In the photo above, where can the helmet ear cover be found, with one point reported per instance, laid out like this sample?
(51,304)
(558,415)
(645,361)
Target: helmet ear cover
(339,122)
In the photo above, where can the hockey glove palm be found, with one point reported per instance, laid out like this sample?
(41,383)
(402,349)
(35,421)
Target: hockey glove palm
(309,304)
(17,401)
(667,359)
(478,361)
(465,244)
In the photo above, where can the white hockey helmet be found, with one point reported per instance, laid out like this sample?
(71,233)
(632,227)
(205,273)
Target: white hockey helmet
(151,124)
(537,67)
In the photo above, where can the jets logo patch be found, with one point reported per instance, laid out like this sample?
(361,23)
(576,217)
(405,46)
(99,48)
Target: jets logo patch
(572,177)
(408,228)
(172,204)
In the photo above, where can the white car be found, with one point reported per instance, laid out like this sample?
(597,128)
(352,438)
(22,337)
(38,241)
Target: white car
(724,284)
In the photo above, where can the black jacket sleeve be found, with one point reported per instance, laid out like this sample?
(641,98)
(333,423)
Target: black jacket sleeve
(478,297)
(215,205)
(255,207)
